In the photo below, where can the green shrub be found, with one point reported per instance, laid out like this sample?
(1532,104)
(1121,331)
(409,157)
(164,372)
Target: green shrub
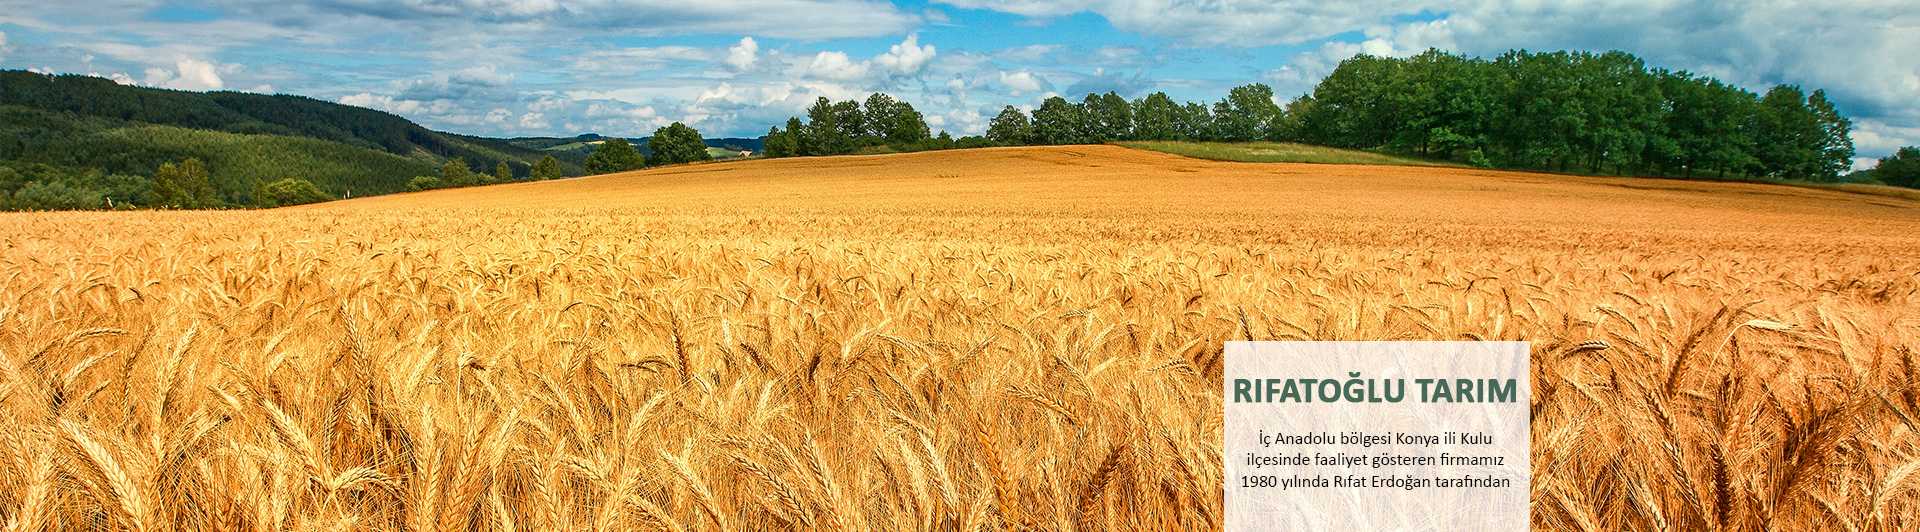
(424,182)
(46,195)
(290,191)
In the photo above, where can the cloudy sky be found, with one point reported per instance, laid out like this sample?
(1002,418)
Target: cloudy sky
(735,67)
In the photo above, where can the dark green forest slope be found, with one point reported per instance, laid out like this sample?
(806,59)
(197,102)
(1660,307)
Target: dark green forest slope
(75,141)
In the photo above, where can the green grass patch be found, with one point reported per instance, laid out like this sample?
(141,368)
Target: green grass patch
(1277,152)
(1870,189)
(1287,152)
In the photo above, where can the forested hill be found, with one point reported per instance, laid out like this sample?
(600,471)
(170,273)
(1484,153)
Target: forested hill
(80,139)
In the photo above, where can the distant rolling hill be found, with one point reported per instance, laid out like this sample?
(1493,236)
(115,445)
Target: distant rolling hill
(88,138)
(579,147)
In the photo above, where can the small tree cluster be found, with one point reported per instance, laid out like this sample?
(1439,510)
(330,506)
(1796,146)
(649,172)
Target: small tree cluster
(849,126)
(546,169)
(612,156)
(288,192)
(455,174)
(182,186)
(1902,169)
(1247,114)
(38,187)
(503,173)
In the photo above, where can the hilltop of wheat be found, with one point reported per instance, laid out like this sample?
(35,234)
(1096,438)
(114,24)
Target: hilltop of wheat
(1032,345)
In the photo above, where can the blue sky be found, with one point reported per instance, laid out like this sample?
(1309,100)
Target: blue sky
(736,67)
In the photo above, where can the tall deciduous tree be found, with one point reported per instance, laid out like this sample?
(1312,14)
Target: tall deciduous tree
(677,144)
(1109,117)
(1154,118)
(852,122)
(1836,138)
(882,114)
(802,141)
(614,155)
(1703,126)
(1194,122)
(1245,113)
(1058,122)
(1010,127)
(908,125)
(1789,135)
(828,126)
(1294,124)
(780,143)
(1352,102)
(502,173)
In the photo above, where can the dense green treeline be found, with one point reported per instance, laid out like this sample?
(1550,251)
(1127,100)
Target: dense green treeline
(456,174)
(1558,111)
(1572,111)
(881,124)
(1902,169)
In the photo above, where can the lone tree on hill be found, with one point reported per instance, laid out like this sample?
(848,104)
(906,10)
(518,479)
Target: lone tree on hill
(614,155)
(547,168)
(677,144)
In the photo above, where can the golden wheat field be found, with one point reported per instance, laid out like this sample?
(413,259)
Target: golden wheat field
(1006,339)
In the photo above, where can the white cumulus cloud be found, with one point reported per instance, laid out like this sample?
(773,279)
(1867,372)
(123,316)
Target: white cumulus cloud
(193,75)
(743,55)
(836,66)
(1022,81)
(905,58)
(485,76)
